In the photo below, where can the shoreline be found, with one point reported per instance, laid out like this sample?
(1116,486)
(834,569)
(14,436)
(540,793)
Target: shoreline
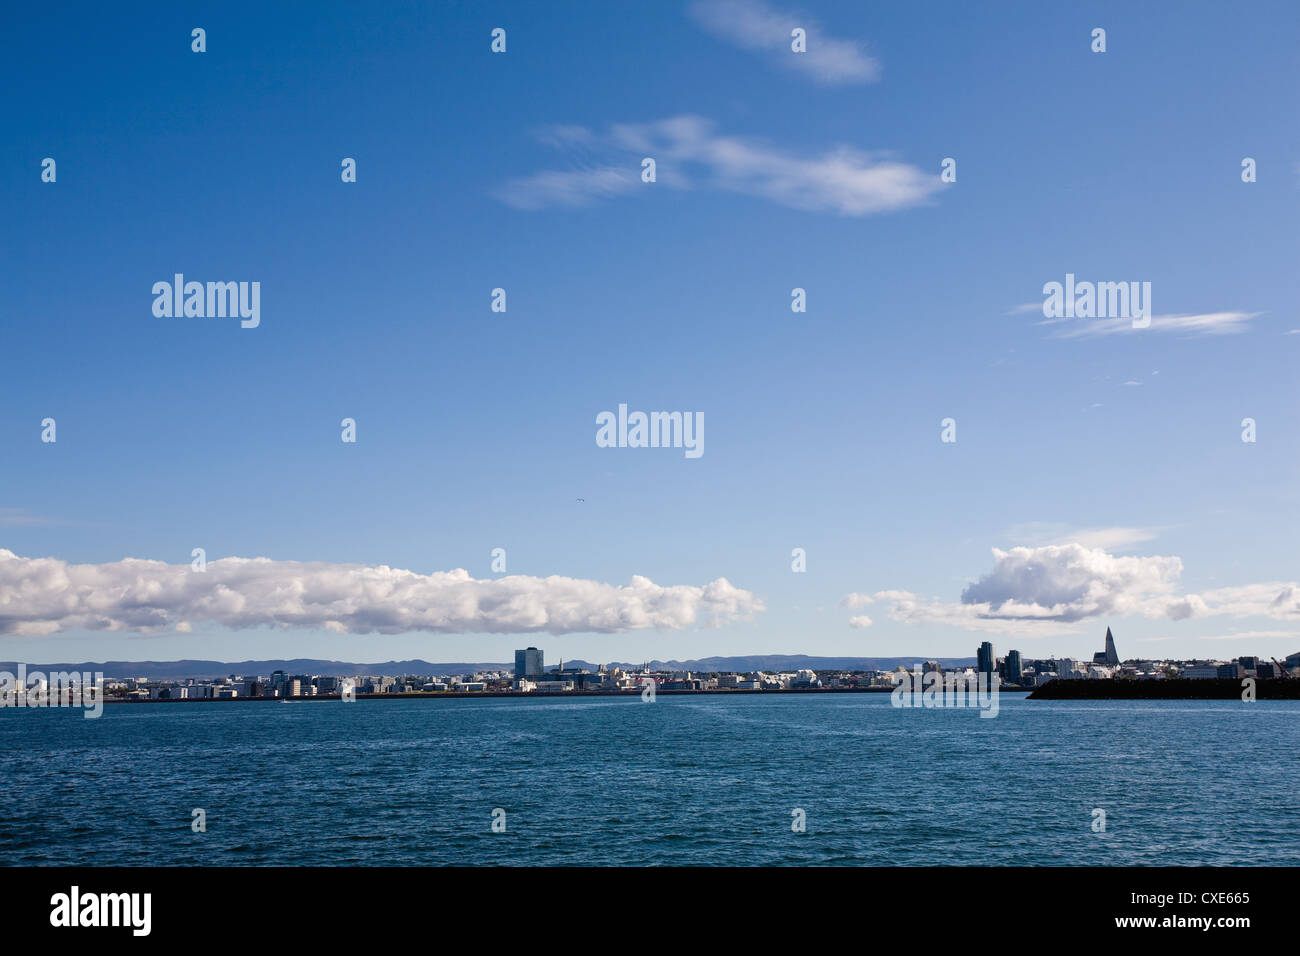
(528,695)
(1226,688)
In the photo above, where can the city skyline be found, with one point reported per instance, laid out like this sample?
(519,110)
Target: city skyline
(529,663)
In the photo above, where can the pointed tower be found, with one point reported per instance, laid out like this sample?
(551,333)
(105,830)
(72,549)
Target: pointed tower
(1112,658)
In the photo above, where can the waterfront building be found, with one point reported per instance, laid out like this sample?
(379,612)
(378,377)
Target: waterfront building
(553,686)
(528,664)
(985,657)
(1013,667)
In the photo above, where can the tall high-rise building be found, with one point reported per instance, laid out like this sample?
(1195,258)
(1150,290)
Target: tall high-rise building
(985,658)
(528,664)
(1013,666)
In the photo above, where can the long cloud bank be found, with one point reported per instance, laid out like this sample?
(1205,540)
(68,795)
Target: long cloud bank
(1049,589)
(45,595)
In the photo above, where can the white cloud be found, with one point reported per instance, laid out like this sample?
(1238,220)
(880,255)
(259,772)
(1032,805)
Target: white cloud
(576,187)
(21,517)
(1279,600)
(908,608)
(753,25)
(1206,323)
(1048,589)
(1108,539)
(1070,582)
(690,154)
(44,595)
(1251,635)
(860,621)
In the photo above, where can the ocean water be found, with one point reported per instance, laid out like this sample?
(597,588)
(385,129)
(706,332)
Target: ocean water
(692,780)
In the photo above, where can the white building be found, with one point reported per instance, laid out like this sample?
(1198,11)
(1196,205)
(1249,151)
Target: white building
(553,686)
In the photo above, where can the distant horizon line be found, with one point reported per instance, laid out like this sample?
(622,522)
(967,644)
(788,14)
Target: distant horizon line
(394,660)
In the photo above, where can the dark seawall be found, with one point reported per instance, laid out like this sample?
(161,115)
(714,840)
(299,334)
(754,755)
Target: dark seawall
(1214,688)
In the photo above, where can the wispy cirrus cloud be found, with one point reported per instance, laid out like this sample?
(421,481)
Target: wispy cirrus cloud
(1228,322)
(1203,323)
(754,25)
(22,518)
(1049,589)
(573,187)
(1249,635)
(45,595)
(690,153)
(1115,538)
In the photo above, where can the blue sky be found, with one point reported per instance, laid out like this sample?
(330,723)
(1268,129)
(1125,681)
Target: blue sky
(1107,455)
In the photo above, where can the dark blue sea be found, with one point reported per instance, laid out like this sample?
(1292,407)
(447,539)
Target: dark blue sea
(690,780)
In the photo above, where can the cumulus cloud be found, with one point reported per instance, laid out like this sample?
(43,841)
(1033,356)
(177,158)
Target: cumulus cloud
(908,608)
(1049,589)
(1070,582)
(1278,600)
(860,621)
(691,154)
(753,25)
(44,595)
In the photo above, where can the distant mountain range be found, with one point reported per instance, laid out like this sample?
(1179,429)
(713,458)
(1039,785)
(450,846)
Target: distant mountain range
(303,665)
